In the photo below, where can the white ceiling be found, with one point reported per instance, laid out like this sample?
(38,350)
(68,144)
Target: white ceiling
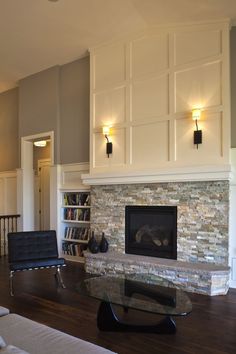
(37,34)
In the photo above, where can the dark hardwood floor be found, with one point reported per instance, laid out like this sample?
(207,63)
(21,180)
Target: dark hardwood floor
(210,328)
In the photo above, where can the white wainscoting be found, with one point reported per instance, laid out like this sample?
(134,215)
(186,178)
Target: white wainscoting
(8,193)
(8,203)
(70,175)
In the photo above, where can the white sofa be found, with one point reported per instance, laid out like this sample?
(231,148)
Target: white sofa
(36,338)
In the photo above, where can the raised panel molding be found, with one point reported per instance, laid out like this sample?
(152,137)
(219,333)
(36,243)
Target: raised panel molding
(109,107)
(109,66)
(146,148)
(118,155)
(196,45)
(70,175)
(210,125)
(150,98)
(198,86)
(149,55)
(8,192)
(145,88)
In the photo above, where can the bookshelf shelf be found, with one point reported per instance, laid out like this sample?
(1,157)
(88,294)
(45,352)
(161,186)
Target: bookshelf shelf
(75,223)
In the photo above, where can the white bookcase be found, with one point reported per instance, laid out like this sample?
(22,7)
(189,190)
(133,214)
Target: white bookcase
(75,223)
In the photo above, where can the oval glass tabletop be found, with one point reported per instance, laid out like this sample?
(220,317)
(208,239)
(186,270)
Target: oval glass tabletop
(145,292)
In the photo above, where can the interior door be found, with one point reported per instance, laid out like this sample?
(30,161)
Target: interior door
(44,193)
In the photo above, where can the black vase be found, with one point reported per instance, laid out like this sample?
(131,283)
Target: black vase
(93,245)
(103,244)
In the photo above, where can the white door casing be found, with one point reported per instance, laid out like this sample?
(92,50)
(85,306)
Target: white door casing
(44,193)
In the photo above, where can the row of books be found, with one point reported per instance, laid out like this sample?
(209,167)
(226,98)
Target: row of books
(80,199)
(77,233)
(73,249)
(76,214)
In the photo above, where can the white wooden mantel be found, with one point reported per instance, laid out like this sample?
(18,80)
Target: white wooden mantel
(198,173)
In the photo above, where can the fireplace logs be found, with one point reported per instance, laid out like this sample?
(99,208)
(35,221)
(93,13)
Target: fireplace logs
(151,231)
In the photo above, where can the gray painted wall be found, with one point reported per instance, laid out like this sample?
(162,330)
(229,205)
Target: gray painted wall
(9,148)
(39,105)
(74,111)
(57,99)
(233,85)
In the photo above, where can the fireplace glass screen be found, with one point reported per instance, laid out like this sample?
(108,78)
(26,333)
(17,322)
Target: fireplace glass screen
(151,231)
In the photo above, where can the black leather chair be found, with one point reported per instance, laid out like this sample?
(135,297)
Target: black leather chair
(33,250)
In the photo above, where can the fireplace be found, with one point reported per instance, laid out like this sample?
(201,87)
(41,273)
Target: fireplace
(151,231)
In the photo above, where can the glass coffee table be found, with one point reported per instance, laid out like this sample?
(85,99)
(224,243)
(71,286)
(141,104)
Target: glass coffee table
(143,292)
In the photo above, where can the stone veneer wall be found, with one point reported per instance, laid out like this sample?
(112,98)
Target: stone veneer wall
(203,209)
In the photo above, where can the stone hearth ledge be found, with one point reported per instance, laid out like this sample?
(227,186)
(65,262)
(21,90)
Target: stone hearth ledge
(201,278)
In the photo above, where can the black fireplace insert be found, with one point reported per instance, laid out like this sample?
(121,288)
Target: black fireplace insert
(151,231)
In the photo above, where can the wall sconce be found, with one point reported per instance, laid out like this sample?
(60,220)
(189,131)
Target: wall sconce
(197,135)
(106,132)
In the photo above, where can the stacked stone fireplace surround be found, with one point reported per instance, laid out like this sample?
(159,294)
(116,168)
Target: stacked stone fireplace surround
(202,232)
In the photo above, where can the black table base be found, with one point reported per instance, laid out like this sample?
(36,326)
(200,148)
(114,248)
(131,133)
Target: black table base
(108,321)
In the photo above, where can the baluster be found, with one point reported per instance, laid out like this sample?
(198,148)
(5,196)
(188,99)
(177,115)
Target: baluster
(8,223)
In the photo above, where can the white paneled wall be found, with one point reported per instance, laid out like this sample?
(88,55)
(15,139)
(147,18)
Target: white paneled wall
(145,88)
(70,175)
(8,193)
(8,206)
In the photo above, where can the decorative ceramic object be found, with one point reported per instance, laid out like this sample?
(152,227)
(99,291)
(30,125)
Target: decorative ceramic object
(93,245)
(103,244)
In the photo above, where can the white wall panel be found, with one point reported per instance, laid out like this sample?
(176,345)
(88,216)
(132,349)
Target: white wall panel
(198,86)
(109,66)
(211,146)
(10,197)
(118,155)
(70,175)
(150,144)
(150,98)
(109,107)
(195,45)
(8,193)
(2,196)
(100,157)
(149,55)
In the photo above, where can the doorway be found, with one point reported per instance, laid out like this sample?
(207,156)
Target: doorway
(34,182)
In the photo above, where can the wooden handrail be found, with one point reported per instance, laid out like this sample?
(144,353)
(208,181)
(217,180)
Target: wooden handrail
(8,223)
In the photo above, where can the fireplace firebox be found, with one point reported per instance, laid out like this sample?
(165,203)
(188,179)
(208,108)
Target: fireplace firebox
(151,231)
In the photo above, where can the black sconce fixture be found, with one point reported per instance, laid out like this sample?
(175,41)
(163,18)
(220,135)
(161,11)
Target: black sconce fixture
(197,134)
(106,132)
